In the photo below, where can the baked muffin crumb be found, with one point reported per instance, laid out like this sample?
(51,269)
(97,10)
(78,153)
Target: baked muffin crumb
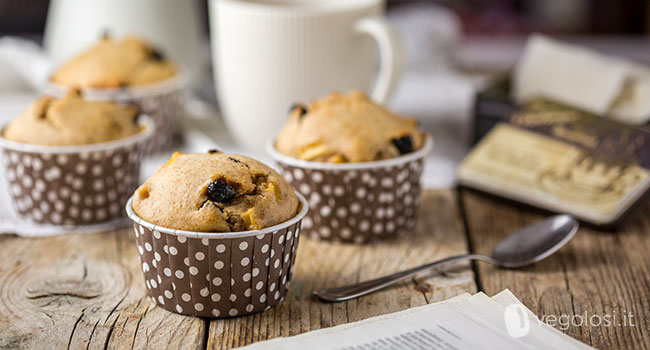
(115,64)
(215,192)
(71,120)
(347,128)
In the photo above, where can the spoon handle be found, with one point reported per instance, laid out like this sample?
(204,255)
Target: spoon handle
(356,290)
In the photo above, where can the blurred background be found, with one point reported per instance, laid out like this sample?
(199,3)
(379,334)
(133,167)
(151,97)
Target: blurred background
(485,35)
(623,17)
(452,48)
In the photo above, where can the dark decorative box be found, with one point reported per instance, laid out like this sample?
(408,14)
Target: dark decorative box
(556,158)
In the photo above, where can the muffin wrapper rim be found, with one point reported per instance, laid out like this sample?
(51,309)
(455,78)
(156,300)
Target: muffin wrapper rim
(283,158)
(144,120)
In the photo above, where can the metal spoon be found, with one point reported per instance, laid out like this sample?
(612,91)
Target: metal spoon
(522,248)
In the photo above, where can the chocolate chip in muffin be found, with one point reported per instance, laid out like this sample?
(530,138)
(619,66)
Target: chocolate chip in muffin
(403,144)
(213,151)
(303,110)
(220,192)
(156,55)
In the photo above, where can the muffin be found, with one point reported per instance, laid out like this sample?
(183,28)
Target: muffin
(70,161)
(115,64)
(71,120)
(215,192)
(347,128)
(217,234)
(129,71)
(358,164)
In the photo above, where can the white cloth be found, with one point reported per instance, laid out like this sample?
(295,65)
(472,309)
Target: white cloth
(24,65)
(584,79)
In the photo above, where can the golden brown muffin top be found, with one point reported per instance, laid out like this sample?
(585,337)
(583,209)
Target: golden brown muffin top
(215,192)
(347,128)
(115,63)
(72,120)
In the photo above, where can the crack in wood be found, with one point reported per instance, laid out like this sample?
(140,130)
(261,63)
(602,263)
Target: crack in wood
(468,238)
(75,327)
(61,294)
(90,339)
(110,313)
(49,316)
(137,327)
(110,332)
(85,270)
(206,334)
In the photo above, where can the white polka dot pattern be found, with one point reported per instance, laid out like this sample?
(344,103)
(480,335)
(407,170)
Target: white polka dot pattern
(61,189)
(358,205)
(223,278)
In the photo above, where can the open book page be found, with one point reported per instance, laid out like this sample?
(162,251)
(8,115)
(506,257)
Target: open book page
(513,318)
(546,332)
(463,322)
(280,343)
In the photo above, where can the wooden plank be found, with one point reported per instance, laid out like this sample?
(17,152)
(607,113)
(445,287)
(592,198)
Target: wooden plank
(320,264)
(598,273)
(83,291)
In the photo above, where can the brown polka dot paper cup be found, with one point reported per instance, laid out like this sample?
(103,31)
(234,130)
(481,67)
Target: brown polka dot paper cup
(357,202)
(217,275)
(163,102)
(74,185)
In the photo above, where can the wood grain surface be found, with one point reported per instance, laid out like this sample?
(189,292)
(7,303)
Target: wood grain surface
(86,291)
(83,292)
(597,274)
(319,264)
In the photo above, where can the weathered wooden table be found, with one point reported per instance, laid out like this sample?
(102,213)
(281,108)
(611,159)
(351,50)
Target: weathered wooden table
(86,291)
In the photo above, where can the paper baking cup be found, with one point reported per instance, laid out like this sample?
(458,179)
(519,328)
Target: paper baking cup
(74,185)
(217,275)
(357,202)
(163,102)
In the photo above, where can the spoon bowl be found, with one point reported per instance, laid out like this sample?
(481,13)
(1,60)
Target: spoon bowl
(535,242)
